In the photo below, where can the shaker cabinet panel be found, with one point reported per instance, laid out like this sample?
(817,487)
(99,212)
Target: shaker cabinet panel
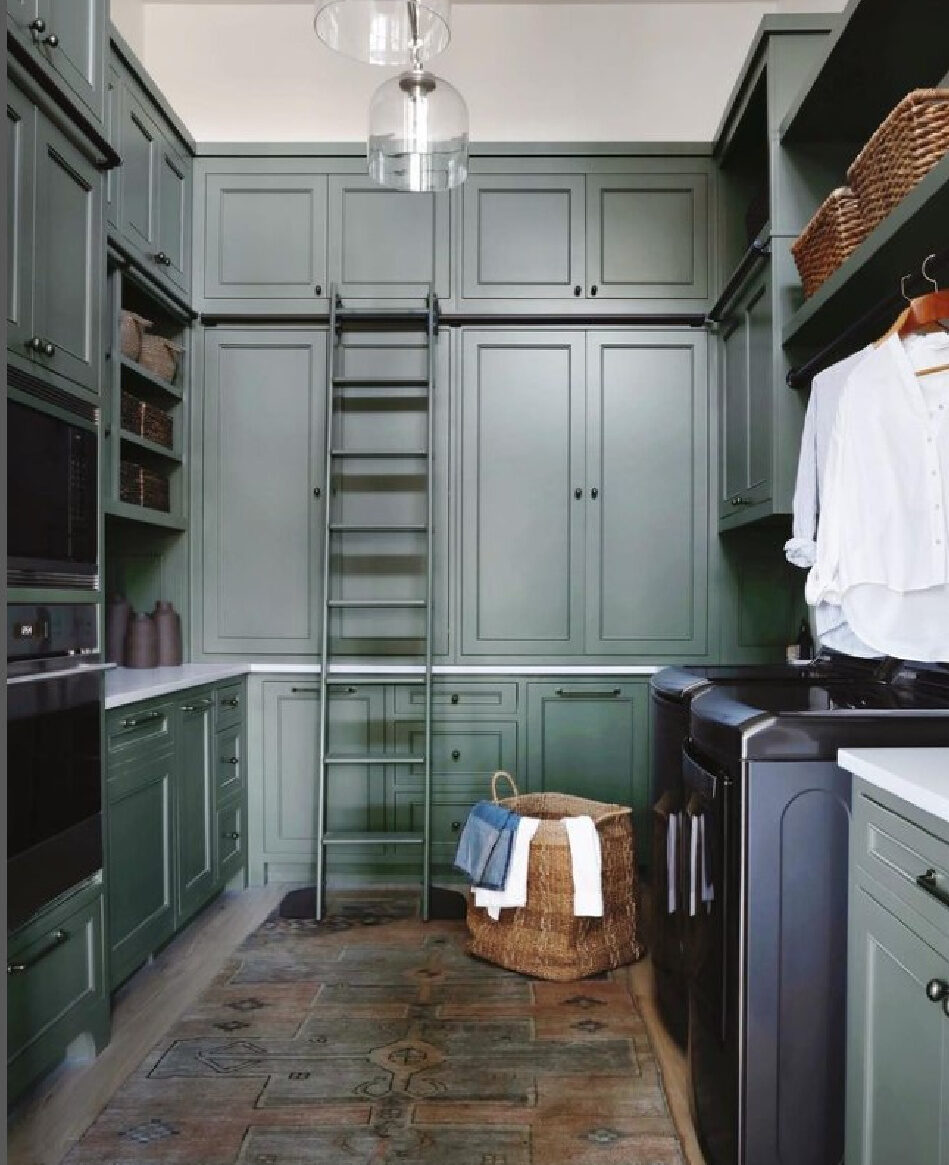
(112,107)
(265,238)
(21,142)
(387,244)
(647,236)
(174,216)
(140,147)
(522,453)
(262,523)
(647,468)
(523,236)
(194,815)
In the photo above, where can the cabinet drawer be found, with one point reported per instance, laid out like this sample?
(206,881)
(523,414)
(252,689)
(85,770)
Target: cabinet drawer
(230,842)
(462,752)
(464,699)
(229,762)
(137,729)
(449,812)
(896,852)
(229,705)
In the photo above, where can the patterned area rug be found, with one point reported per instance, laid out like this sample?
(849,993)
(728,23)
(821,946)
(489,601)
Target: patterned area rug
(372,1039)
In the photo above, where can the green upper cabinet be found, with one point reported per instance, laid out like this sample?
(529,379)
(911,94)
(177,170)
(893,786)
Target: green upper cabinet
(522,492)
(113,90)
(647,493)
(261,230)
(648,236)
(261,540)
(174,215)
(196,764)
(387,244)
(21,145)
(522,236)
(67,42)
(138,143)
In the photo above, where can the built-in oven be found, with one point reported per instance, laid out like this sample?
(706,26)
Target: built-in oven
(52,488)
(55,681)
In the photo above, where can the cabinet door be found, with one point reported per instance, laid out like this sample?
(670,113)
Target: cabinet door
(647,236)
(263,457)
(523,236)
(174,216)
(747,385)
(387,244)
(139,146)
(590,739)
(265,239)
(230,840)
(21,142)
(68,254)
(522,527)
(140,862)
(79,57)
(897,1043)
(647,495)
(112,107)
(195,804)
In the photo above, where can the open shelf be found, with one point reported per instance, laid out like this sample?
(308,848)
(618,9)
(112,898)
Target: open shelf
(145,516)
(151,447)
(141,374)
(915,229)
(881,50)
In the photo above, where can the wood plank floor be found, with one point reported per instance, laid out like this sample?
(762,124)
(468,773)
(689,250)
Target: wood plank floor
(46,1126)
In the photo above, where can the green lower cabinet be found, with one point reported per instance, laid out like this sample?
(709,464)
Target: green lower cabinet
(141,856)
(194,795)
(56,986)
(230,840)
(591,739)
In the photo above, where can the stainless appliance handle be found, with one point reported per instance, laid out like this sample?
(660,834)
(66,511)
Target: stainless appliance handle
(78,669)
(198,706)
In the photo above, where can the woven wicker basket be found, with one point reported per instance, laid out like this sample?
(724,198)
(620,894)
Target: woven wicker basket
(545,939)
(131,329)
(160,355)
(835,230)
(910,142)
(144,487)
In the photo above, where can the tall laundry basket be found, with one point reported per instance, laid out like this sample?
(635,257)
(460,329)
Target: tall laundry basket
(544,938)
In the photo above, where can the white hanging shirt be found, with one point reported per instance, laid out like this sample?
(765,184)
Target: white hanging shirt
(883,539)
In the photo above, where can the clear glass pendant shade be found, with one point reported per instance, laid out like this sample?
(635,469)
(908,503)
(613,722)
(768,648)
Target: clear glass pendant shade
(384,32)
(418,133)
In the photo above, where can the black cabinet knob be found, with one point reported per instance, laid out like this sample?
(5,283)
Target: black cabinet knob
(593,289)
(578,291)
(37,27)
(317,492)
(455,754)
(35,344)
(52,40)
(454,697)
(594,493)
(455,826)
(162,259)
(232,836)
(578,493)
(230,760)
(318,289)
(937,989)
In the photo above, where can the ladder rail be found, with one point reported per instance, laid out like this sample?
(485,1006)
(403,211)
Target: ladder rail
(430,463)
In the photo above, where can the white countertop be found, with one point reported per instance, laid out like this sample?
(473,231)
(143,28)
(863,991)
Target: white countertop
(919,776)
(126,685)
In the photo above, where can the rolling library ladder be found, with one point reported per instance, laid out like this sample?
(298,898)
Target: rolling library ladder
(341,672)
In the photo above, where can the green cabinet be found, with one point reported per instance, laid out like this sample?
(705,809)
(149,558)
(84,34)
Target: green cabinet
(566,444)
(590,738)
(54,230)
(261,526)
(67,43)
(196,775)
(56,986)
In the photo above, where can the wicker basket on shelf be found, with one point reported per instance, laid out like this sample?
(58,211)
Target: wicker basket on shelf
(147,420)
(161,355)
(132,327)
(144,487)
(911,141)
(836,229)
(545,938)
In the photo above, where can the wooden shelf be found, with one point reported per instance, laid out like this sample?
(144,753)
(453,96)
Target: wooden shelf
(915,229)
(142,374)
(150,446)
(881,50)
(145,516)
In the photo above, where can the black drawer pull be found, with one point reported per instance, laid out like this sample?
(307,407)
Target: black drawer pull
(231,702)
(587,693)
(928,883)
(200,706)
(937,989)
(304,691)
(455,826)
(232,836)
(454,697)
(138,721)
(230,760)
(56,940)
(455,754)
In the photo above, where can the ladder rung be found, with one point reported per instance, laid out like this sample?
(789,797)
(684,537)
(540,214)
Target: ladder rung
(392,758)
(376,603)
(357,679)
(372,453)
(376,382)
(355,314)
(354,837)
(362,528)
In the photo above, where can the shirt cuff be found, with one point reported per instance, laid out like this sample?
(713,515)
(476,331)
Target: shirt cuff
(801,552)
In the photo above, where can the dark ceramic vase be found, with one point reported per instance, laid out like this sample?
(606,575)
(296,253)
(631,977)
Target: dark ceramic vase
(141,642)
(168,624)
(116,627)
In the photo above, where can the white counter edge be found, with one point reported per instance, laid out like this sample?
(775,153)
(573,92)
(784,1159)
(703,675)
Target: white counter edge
(918,776)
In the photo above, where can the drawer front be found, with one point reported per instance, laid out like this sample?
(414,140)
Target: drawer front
(896,852)
(463,752)
(230,840)
(229,762)
(229,705)
(138,729)
(464,699)
(449,811)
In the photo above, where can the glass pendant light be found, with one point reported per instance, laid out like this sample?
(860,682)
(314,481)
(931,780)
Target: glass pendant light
(384,32)
(418,133)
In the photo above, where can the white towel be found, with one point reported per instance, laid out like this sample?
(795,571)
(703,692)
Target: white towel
(672,871)
(693,863)
(586,860)
(514,893)
(708,890)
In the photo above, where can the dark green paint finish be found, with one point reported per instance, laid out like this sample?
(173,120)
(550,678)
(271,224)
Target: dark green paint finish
(194,802)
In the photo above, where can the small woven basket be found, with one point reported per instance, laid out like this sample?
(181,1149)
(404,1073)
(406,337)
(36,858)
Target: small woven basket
(144,487)
(147,420)
(131,329)
(911,141)
(836,229)
(160,355)
(545,939)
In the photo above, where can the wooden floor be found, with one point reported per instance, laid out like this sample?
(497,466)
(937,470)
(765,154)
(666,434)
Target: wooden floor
(46,1126)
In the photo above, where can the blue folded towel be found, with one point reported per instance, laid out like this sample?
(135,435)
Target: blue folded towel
(485,845)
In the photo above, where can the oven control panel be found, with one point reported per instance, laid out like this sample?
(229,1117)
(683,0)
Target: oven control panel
(51,630)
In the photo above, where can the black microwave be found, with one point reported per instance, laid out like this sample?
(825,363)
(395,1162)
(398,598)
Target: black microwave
(52,491)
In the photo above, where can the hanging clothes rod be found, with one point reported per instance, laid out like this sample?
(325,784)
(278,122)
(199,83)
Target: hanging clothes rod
(759,250)
(856,333)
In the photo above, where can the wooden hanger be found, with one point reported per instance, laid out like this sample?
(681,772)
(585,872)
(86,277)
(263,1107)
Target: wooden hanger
(926,313)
